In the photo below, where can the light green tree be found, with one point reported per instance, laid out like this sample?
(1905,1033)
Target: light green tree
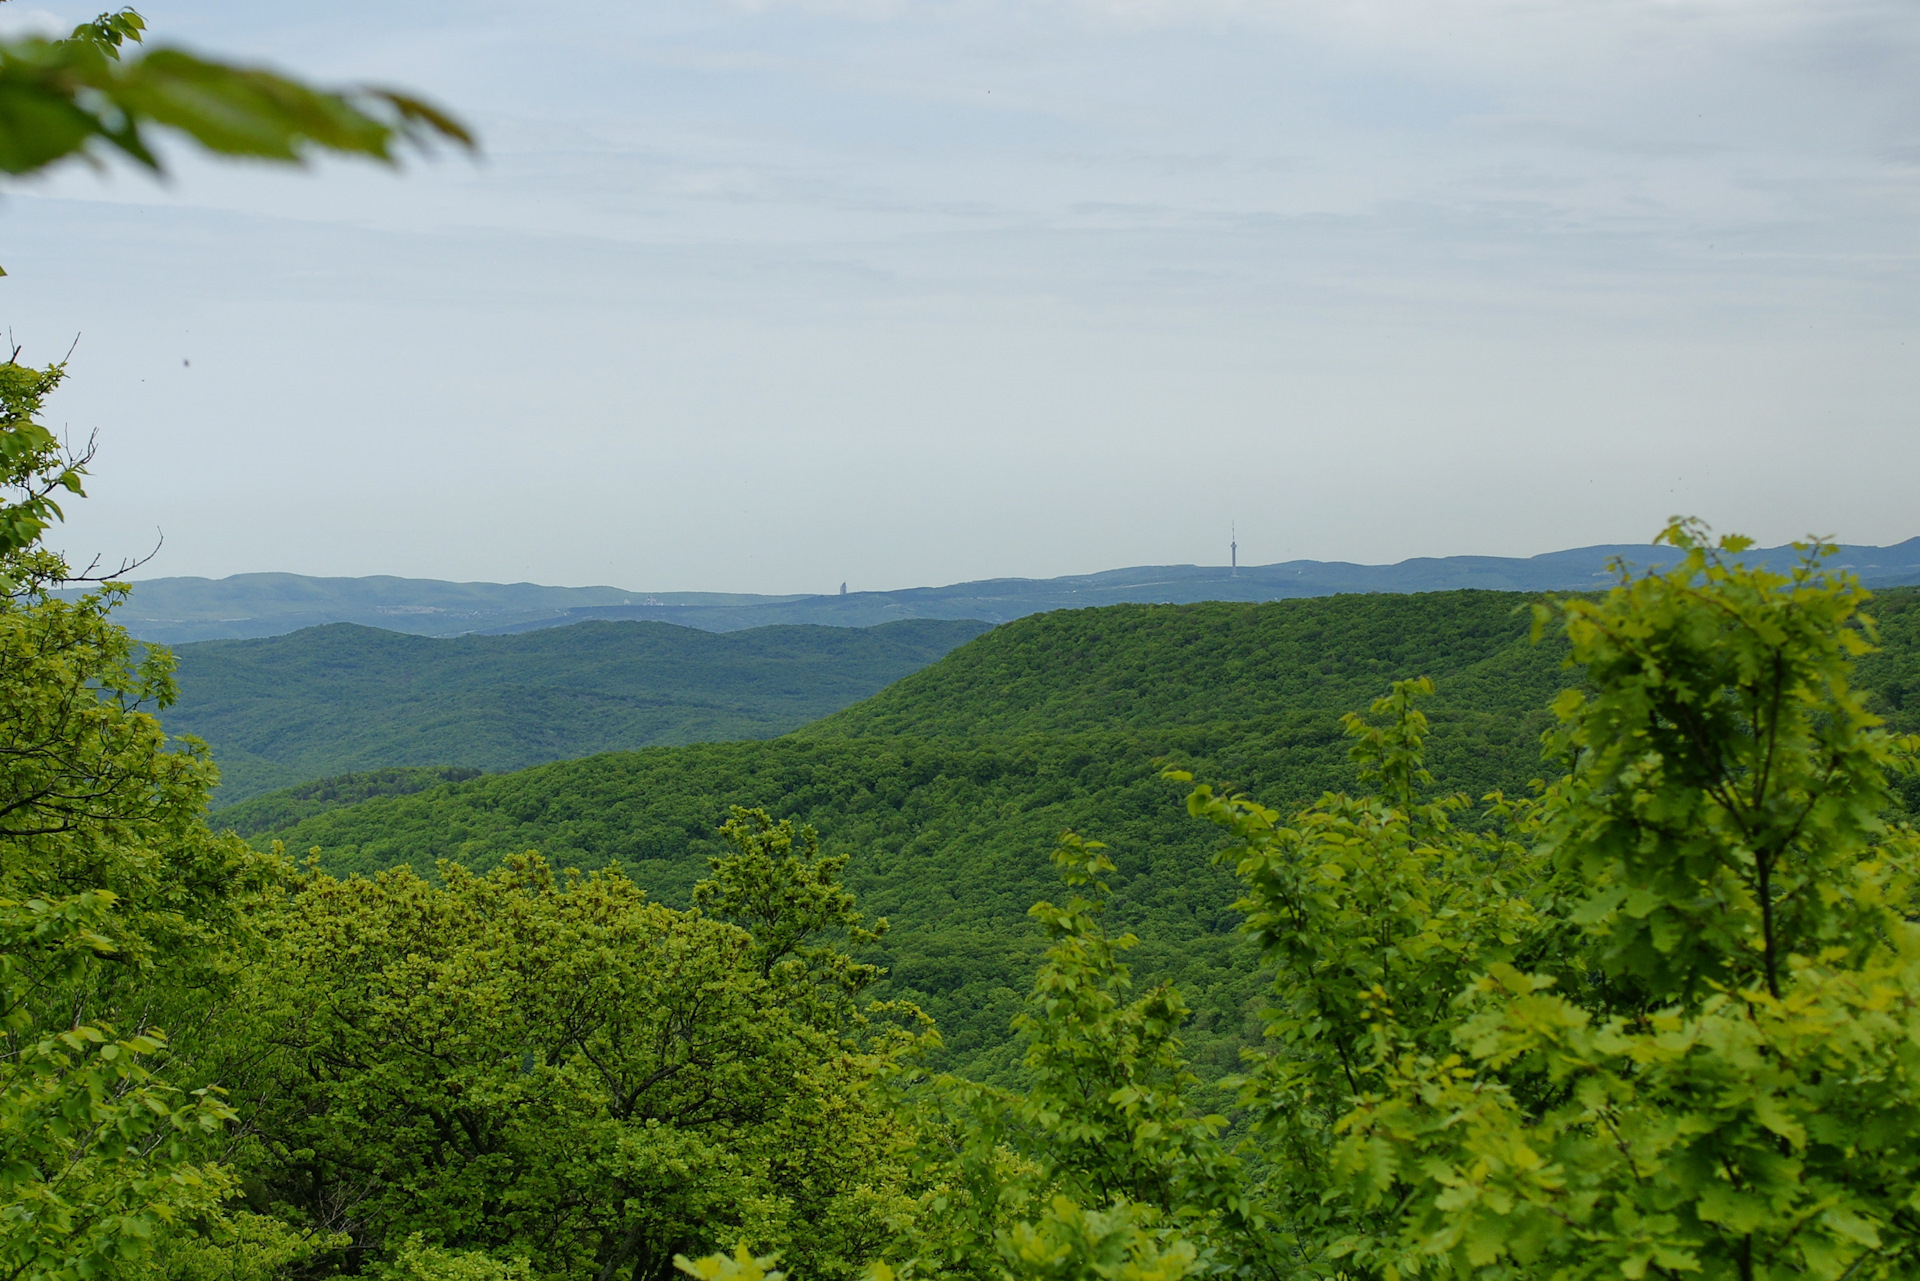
(120,915)
(551,1068)
(1102,1166)
(1663,1020)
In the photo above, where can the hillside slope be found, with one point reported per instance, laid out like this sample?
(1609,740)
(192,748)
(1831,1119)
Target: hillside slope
(949,788)
(329,700)
(1157,666)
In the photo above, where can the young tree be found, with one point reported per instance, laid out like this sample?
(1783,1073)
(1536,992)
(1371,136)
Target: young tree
(1669,1025)
(1102,1166)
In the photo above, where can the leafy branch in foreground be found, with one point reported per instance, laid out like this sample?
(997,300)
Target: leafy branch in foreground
(33,466)
(80,96)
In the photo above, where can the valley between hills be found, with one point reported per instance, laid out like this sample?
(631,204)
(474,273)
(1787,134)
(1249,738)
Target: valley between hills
(947,787)
(340,698)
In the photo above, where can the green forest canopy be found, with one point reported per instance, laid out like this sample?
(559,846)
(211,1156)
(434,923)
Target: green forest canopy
(949,787)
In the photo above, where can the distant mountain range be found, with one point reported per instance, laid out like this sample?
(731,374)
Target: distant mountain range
(174,610)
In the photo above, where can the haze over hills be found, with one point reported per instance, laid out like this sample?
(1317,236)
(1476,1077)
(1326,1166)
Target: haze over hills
(327,700)
(176,610)
(244,606)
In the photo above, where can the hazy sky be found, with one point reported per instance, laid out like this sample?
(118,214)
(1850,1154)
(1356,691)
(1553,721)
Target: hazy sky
(765,296)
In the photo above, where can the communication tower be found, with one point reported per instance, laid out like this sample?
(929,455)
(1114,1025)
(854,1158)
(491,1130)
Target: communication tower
(1233,565)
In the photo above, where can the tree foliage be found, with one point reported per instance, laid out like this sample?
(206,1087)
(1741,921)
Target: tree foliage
(121,915)
(34,468)
(1669,1024)
(1100,1166)
(82,96)
(1660,1017)
(1657,1016)
(949,825)
(554,1069)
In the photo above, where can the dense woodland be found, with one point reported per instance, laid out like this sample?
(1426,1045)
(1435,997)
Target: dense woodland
(949,788)
(1386,1010)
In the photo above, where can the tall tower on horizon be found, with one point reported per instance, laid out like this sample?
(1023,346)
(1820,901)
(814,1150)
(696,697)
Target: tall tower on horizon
(1234,564)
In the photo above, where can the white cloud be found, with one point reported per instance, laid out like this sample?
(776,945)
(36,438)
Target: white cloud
(16,22)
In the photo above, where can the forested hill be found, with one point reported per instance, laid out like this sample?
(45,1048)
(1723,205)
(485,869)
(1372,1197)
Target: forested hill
(950,787)
(1138,667)
(328,700)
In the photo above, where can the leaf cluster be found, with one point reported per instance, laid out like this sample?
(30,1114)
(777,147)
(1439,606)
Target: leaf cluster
(1659,1019)
(121,918)
(554,1069)
(82,96)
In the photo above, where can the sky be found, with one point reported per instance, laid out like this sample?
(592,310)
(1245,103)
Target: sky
(772,295)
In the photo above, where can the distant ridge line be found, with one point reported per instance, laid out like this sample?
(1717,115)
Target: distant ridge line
(177,610)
